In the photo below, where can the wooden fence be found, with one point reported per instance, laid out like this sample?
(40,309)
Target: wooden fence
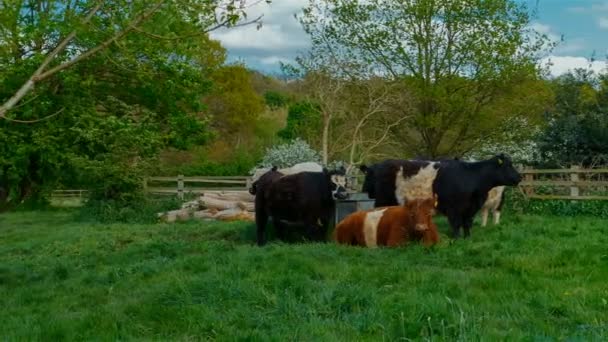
(574,183)
(181,185)
(570,184)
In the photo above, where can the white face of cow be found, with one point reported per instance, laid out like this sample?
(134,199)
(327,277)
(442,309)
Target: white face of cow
(338,186)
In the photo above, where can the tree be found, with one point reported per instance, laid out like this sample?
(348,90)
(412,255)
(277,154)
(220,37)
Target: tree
(455,56)
(233,104)
(577,132)
(45,32)
(115,108)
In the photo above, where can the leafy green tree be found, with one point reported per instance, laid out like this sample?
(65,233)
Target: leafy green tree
(577,132)
(457,58)
(126,83)
(275,99)
(56,35)
(234,105)
(303,121)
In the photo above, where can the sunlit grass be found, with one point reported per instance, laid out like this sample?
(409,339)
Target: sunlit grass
(531,278)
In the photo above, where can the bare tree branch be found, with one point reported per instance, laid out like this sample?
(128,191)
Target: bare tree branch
(29,84)
(34,121)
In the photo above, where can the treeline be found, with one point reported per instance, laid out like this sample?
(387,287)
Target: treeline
(394,79)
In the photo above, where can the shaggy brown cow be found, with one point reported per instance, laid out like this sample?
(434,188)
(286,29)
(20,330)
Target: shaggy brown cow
(390,226)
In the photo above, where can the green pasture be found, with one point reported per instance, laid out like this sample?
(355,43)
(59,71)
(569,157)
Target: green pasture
(533,278)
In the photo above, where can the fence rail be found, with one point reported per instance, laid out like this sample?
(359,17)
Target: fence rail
(574,183)
(181,185)
(69,193)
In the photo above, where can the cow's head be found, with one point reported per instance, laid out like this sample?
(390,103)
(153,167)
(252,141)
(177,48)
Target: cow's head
(422,211)
(253,189)
(504,171)
(337,181)
(368,182)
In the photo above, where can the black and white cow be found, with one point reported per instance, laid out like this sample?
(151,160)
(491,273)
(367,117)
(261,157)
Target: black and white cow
(306,198)
(462,187)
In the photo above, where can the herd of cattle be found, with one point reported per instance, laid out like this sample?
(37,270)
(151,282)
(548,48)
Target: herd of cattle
(406,193)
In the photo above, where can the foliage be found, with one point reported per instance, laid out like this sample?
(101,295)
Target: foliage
(239,164)
(45,32)
(234,105)
(517,202)
(543,277)
(275,99)
(134,209)
(303,121)
(577,132)
(288,154)
(457,73)
(114,110)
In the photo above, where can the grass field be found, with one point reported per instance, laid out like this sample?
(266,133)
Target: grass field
(532,278)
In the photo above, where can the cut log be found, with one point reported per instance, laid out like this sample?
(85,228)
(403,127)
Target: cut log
(208,213)
(191,205)
(237,196)
(234,214)
(174,215)
(210,202)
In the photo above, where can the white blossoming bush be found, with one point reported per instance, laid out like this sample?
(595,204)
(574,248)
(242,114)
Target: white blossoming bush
(289,154)
(522,148)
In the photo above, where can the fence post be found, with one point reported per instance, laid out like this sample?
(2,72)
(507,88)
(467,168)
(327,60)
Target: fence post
(529,177)
(180,187)
(574,191)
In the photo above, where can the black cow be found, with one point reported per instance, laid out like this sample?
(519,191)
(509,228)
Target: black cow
(305,197)
(379,182)
(462,187)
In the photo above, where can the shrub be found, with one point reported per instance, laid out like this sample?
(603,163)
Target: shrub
(286,155)
(136,209)
(275,99)
(516,201)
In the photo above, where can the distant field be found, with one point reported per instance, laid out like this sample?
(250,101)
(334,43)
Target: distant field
(533,278)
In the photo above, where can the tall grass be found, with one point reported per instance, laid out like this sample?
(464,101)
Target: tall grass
(532,278)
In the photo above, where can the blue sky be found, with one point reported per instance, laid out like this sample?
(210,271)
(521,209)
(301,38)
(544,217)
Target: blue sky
(582,23)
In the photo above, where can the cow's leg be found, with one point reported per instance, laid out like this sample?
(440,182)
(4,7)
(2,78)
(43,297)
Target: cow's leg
(496,216)
(312,229)
(261,218)
(467,223)
(455,223)
(484,216)
(280,228)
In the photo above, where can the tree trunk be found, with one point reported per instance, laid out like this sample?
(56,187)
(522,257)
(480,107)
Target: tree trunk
(325,140)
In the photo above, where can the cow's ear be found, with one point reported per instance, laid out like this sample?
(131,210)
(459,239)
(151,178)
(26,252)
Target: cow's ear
(363,168)
(500,160)
(274,168)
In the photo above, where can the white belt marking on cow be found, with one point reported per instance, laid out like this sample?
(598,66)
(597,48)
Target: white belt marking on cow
(370,227)
(418,186)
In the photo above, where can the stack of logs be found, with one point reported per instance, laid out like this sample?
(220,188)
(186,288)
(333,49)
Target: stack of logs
(215,205)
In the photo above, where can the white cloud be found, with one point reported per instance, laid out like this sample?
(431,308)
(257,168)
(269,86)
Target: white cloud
(559,65)
(274,60)
(593,8)
(603,22)
(280,30)
(546,30)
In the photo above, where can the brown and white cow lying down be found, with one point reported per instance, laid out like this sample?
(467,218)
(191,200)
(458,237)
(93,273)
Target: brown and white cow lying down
(494,203)
(390,226)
